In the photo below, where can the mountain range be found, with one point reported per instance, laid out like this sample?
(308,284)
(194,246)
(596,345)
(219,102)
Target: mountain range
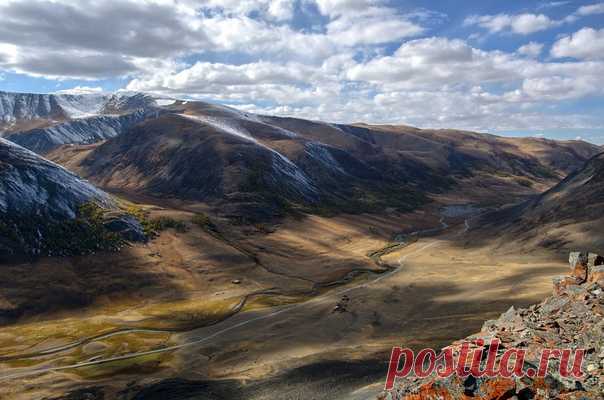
(256,168)
(236,214)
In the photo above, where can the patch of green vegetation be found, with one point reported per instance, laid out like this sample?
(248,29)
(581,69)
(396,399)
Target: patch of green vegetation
(370,200)
(203,221)
(141,365)
(268,301)
(162,223)
(183,315)
(152,226)
(545,172)
(41,235)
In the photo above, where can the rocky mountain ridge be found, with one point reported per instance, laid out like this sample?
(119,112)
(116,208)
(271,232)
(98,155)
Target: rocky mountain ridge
(78,131)
(41,122)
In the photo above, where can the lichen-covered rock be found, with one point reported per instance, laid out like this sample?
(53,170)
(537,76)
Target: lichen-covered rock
(578,265)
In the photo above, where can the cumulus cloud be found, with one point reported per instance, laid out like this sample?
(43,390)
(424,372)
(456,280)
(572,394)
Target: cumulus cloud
(591,9)
(343,7)
(364,60)
(372,26)
(204,77)
(81,90)
(433,62)
(523,24)
(552,4)
(587,44)
(281,10)
(531,49)
(107,26)
(529,23)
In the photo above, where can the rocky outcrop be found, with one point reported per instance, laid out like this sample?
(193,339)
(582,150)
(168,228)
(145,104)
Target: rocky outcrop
(572,318)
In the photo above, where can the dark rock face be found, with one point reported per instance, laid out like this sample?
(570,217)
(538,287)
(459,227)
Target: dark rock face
(125,225)
(572,318)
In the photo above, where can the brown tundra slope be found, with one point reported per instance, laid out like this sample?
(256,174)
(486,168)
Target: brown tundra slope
(254,167)
(568,215)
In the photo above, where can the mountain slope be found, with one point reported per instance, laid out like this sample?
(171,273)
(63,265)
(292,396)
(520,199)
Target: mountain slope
(197,160)
(263,166)
(569,214)
(254,167)
(78,131)
(46,209)
(17,108)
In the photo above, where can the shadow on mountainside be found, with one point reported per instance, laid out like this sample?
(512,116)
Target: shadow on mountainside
(54,284)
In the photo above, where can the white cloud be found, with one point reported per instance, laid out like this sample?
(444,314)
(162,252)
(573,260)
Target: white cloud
(586,44)
(591,9)
(556,88)
(281,10)
(433,62)
(528,23)
(552,4)
(8,53)
(203,76)
(531,49)
(341,7)
(81,90)
(523,24)
(343,69)
(374,26)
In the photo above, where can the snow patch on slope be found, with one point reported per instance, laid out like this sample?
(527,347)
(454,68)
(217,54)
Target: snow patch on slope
(282,165)
(222,125)
(165,102)
(319,152)
(82,106)
(30,184)
(78,131)
(23,106)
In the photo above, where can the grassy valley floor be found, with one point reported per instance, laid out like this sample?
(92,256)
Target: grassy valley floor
(297,310)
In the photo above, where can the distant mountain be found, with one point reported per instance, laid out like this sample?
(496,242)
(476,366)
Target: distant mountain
(45,209)
(568,215)
(78,131)
(255,167)
(41,122)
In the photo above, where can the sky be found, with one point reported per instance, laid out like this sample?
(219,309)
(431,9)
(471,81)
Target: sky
(530,68)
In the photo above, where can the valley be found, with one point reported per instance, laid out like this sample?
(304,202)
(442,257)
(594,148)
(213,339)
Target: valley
(240,256)
(188,320)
